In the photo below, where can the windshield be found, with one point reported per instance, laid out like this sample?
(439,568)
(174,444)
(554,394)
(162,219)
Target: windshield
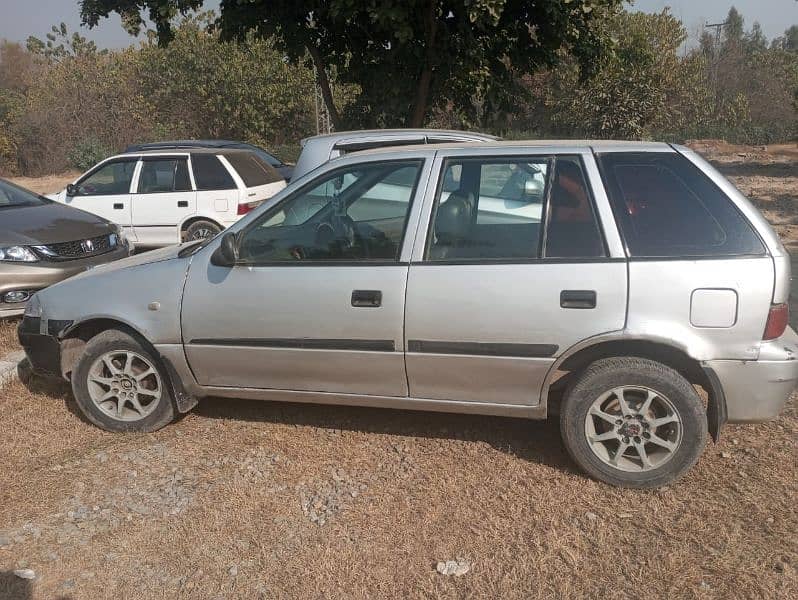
(13,195)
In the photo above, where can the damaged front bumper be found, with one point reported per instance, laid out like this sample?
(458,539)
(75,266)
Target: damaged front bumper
(40,340)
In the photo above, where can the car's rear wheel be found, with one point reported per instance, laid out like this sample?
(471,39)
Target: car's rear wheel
(633,422)
(200,230)
(120,386)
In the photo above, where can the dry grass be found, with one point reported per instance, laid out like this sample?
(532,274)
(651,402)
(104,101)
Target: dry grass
(48,184)
(501,493)
(170,513)
(8,336)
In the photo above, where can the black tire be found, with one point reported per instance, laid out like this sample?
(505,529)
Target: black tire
(162,414)
(610,373)
(200,230)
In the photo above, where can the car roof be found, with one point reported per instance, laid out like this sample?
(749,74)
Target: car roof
(188,144)
(594,145)
(372,133)
(183,151)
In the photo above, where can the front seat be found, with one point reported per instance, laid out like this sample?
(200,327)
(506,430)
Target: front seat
(452,225)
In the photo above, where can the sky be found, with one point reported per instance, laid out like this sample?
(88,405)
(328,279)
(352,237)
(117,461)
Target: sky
(21,18)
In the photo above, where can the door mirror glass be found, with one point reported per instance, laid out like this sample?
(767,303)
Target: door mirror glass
(72,190)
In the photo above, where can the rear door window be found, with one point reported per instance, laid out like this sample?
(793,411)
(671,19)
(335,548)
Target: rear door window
(164,175)
(210,173)
(252,170)
(667,207)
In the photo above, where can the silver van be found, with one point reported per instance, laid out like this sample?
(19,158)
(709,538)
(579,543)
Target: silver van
(602,281)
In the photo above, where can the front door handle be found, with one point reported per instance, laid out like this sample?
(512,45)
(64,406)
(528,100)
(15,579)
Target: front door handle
(118,206)
(182,204)
(367,298)
(578,299)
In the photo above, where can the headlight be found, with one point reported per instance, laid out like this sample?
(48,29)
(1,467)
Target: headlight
(120,236)
(17,254)
(33,308)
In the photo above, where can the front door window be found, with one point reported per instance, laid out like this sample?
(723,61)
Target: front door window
(356,213)
(111,179)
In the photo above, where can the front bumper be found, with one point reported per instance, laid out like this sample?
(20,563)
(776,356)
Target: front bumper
(42,348)
(39,275)
(757,390)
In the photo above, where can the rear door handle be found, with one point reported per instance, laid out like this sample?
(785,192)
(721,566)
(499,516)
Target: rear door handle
(118,206)
(367,298)
(578,299)
(182,204)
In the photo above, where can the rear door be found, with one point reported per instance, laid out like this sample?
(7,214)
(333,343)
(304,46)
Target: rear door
(164,198)
(106,191)
(513,271)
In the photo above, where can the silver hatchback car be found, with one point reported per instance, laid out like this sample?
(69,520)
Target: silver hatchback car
(606,280)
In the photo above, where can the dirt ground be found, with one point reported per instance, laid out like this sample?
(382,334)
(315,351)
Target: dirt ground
(247,499)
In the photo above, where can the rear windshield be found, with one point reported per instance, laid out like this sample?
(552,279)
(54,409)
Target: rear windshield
(667,207)
(252,169)
(12,195)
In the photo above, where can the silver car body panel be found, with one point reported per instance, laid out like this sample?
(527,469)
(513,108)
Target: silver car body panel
(319,149)
(457,304)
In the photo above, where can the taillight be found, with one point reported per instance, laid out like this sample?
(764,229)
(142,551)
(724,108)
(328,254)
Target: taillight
(248,206)
(778,317)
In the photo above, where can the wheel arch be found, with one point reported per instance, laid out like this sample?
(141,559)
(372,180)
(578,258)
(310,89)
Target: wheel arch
(188,221)
(672,355)
(74,339)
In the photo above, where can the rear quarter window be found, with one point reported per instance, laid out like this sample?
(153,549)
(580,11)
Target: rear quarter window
(667,207)
(210,173)
(252,169)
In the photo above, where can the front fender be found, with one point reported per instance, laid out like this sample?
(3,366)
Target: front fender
(146,297)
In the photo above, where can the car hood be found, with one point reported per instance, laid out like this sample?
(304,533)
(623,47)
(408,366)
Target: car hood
(137,260)
(48,224)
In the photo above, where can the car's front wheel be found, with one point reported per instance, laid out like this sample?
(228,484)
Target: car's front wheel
(633,422)
(120,386)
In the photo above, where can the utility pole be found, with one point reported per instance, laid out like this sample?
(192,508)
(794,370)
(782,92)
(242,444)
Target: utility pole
(718,27)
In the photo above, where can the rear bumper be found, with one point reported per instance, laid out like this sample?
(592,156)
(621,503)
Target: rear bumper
(757,390)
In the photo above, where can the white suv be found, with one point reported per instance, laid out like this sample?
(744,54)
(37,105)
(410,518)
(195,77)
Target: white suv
(164,197)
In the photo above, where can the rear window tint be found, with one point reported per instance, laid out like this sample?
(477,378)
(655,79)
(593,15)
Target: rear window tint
(666,207)
(210,173)
(252,169)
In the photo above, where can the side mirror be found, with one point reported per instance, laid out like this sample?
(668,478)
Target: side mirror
(72,190)
(226,255)
(533,189)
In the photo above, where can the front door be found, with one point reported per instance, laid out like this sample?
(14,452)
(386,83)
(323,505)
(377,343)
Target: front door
(105,191)
(163,200)
(316,301)
(514,272)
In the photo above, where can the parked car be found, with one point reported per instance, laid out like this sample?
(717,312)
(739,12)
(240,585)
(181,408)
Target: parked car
(283,168)
(410,278)
(162,197)
(318,149)
(42,242)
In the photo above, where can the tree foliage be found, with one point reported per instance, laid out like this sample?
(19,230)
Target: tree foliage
(402,55)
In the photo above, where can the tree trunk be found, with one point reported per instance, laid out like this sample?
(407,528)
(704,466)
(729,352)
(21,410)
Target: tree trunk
(425,81)
(324,84)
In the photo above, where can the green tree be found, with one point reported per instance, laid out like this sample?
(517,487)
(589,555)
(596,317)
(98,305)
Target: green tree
(405,55)
(642,89)
(58,44)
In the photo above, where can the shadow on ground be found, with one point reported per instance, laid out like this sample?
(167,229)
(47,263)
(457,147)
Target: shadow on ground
(13,587)
(534,441)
